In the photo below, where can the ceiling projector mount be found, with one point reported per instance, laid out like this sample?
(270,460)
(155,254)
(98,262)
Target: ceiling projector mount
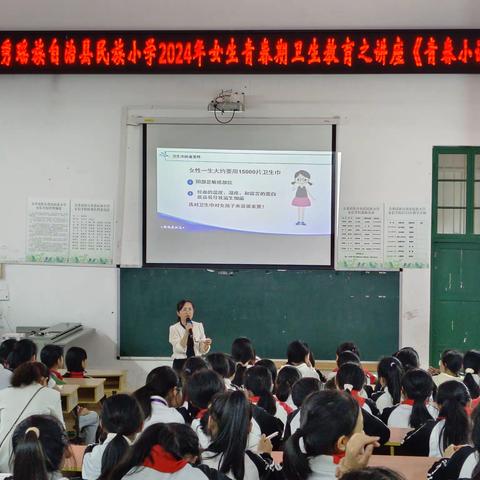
(227,101)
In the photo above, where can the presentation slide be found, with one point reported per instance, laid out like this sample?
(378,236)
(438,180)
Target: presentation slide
(248,191)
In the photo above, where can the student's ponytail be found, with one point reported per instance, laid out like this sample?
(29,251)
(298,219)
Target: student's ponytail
(453,397)
(476,441)
(391,370)
(121,414)
(29,459)
(471,365)
(326,416)
(239,377)
(286,378)
(259,381)
(417,385)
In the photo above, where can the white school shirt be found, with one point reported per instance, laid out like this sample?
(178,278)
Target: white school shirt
(213,460)
(146,473)
(323,468)
(469,465)
(92,461)
(306,371)
(177,332)
(444,377)
(385,400)
(12,402)
(5,376)
(52,476)
(400,416)
(435,442)
(162,413)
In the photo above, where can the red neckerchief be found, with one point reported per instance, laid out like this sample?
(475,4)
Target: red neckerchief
(76,374)
(201,413)
(285,406)
(57,374)
(162,461)
(337,457)
(408,402)
(475,403)
(254,400)
(469,410)
(371,376)
(356,395)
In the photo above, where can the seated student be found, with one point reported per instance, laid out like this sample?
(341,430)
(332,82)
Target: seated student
(451,427)
(450,363)
(352,347)
(329,418)
(244,355)
(409,358)
(23,351)
(258,385)
(351,378)
(461,461)
(202,386)
(164,451)
(218,362)
(414,410)
(232,367)
(229,424)
(160,397)
(52,357)
(471,367)
(28,396)
(76,362)
(5,373)
(298,355)
(343,357)
(287,377)
(390,373)
(270,366)
(121,420)
(300,391)
(321,376)
(40,445)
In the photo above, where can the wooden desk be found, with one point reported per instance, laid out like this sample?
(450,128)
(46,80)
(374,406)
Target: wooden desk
(74,462)
(69,396)
(330,365)
(115,380)
(90,390)
(396,438)
(412,468)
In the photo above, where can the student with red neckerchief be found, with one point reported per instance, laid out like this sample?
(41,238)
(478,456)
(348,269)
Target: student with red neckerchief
(165,451)
(351,378)
(286,378)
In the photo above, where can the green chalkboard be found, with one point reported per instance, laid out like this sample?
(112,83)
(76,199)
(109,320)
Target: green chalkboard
(321,307)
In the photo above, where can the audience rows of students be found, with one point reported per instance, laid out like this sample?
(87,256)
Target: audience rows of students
(223,415)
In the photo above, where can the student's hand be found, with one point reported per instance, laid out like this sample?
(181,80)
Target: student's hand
(207,342)
(433,371)
(451,449)
(359,450)
(264,445)
(82,411)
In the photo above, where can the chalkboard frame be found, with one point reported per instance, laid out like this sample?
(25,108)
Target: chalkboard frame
(243,265)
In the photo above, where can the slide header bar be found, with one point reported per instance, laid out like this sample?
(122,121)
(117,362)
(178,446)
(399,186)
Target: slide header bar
(241,51)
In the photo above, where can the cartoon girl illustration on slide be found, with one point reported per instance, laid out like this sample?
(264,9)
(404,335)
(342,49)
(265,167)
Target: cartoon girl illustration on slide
(302,195)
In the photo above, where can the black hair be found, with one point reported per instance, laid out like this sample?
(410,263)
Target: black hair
(50,355)
(391,370)
(37,457)
(259,381)
(303,388)
(232,413)
(270,365)
(304,173)
(373,473)
(121,414)
(74,358)
(202,386)
(418,386)
(324,418)
(348,346)
(476,440)
(452,398)
(182,303)
(175,438)
(296,352)
(453,360)
(242,350)
(347,356)
(160,381)
(6,348)
(192,365)
(350,373)
(22,352)
(28,373)
(408,357)
(322,377)
(471,360)
(218,363)
(287,376)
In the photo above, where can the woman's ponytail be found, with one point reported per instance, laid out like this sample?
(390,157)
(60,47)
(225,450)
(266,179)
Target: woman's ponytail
(259,381)
(418,385)
(295,460)
(29,462)
(113,454)
(391,370)
(239,377)
(286,378)
(471,365)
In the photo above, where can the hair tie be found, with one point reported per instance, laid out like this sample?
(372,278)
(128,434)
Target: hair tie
(35,430)
(348,386)
(301,446)
(469,370)
(393,364)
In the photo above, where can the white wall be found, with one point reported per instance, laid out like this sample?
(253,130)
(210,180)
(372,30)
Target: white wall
(62,135)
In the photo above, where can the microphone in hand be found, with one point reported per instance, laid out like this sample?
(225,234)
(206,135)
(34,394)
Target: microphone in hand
(189,326)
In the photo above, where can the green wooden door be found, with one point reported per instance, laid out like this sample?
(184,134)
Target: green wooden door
(455,281)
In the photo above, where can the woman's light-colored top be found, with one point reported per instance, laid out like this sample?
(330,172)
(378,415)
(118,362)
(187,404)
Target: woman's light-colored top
(176,334)
(12,401)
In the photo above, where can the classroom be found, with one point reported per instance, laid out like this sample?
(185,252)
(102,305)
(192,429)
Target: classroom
(79,136)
